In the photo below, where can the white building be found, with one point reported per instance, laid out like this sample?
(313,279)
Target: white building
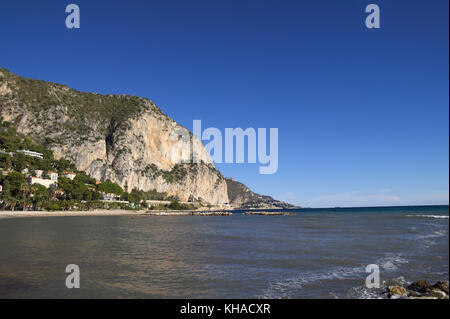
(44,182)
(31,153)
(70,175)
(39,173)
(152,202)
(8,153)
(110,196)
(53,176)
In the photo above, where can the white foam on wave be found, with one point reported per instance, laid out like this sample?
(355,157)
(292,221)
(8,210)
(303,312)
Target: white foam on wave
(284,288)
(428,240)
(362,292)
(435,234)
(391,262)
(429,216)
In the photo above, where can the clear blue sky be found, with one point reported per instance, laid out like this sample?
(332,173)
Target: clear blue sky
(363,115)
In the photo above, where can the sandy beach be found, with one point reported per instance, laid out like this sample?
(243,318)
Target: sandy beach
(106,212)
(97,212)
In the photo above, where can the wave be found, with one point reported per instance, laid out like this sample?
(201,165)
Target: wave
(286,287)
(362,292)
(426,241)
(428,216)
(389,263)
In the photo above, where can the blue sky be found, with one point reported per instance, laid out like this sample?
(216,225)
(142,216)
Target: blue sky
(362,114)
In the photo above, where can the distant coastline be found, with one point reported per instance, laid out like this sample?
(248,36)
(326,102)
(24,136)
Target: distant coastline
(200,212)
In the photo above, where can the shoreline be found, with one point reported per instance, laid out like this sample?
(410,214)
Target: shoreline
(106,212)
(97,212)
(418,290)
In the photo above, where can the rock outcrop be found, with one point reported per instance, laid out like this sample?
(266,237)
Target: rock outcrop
(123,138)
(419,290)
(420,286)
(397,290)
(442,285)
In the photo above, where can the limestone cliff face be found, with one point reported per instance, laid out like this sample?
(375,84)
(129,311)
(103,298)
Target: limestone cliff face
(123,138)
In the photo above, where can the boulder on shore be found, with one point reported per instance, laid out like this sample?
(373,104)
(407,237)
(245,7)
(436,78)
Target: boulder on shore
(420,286)
(419,290)
(442,285)
(437,293)
(397,290)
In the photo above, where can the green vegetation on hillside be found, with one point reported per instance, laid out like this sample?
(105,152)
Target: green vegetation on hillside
(57,117)
(177,174)
(81,193)
(80,108)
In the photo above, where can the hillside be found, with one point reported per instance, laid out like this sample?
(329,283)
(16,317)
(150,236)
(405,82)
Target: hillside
(79,192)
(241,196)
(123,138)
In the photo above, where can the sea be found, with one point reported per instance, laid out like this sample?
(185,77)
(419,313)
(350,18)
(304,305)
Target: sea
(316,253)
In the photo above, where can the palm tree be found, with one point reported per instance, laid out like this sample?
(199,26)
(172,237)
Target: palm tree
(28,203)
(25,189)
(5,203)
(33,190)
(40,204)
(10,202)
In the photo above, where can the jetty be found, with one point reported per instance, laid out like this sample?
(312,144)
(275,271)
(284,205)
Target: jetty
(269,213)
(186,213)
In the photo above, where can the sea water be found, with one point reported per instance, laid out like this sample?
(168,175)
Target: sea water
(317,253)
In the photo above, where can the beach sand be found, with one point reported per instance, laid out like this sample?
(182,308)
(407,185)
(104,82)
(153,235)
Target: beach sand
(106,212)
(97,212)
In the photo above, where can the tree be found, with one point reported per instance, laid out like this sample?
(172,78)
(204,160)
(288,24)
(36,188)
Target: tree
(96,196)
(6,188)
(51,193)
(15,179)
(8,163)
(20,162)
(53,206)
(63,165)
(24,189)
(83,178)
(40,196)
(10,202)
(110,187)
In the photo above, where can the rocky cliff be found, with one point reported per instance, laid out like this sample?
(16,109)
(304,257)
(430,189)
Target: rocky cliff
(123,138)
